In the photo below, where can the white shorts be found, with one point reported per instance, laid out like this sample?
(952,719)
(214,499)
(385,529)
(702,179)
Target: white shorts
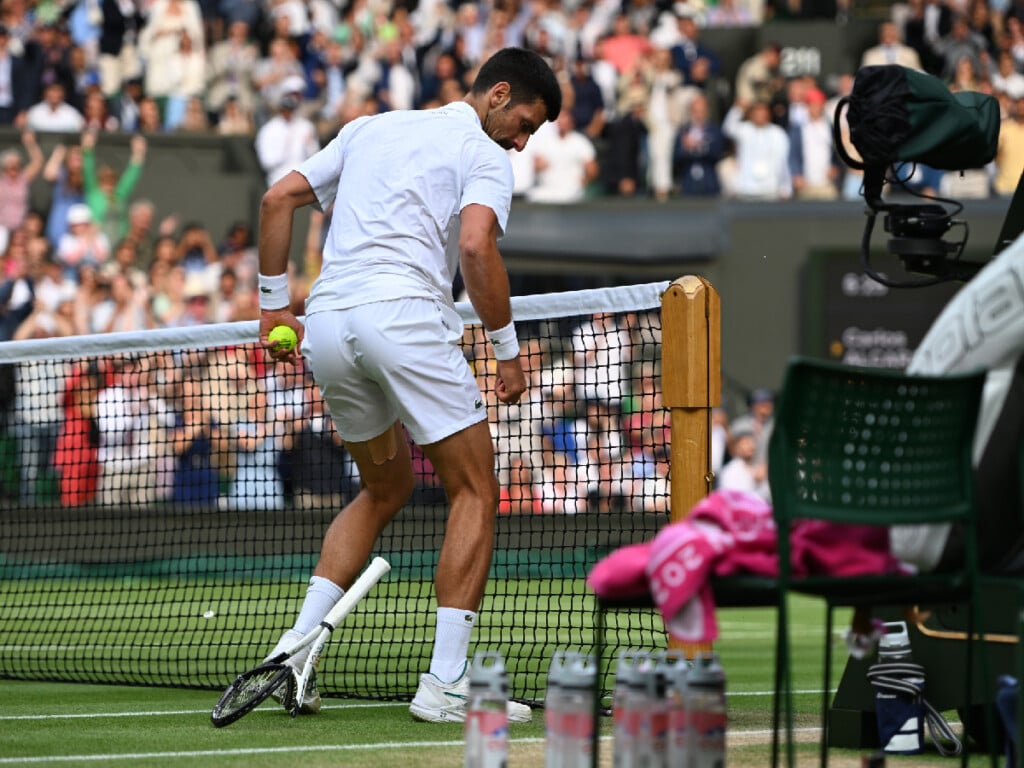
(390,360)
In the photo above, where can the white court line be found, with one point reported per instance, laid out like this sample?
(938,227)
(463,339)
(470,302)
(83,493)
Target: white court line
(160,713)
(308,748)
(361,705)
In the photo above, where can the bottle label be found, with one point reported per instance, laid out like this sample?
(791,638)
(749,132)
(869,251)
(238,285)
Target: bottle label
(709,738)
(486,739)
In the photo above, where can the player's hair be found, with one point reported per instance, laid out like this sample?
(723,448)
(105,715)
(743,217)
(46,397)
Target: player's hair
(528,75)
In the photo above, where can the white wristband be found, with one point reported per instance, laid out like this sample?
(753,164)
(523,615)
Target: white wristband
(273,291)
(505,343)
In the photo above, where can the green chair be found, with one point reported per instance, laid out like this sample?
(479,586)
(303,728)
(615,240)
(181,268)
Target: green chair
(878,448)
(860,446)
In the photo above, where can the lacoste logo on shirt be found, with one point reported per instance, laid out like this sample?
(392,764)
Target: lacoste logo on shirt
(478,404)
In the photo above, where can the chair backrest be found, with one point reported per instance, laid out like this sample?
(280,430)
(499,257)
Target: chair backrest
(873,446)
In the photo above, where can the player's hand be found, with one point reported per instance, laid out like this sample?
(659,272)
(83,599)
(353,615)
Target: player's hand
(511,381)
(271,318)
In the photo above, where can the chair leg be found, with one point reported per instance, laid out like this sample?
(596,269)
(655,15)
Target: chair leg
(825,702)
(595,736)
(782,714)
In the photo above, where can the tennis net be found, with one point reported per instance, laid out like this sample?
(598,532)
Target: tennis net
(163,496)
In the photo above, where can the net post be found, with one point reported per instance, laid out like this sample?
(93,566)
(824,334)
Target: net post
(691,384)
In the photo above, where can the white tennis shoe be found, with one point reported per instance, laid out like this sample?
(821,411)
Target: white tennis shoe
(437,702)
(310,704)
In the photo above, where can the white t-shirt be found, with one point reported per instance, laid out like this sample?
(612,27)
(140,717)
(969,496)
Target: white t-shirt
(398,182)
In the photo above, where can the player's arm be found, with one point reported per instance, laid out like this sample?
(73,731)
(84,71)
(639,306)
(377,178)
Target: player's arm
(277,209)
(486,281)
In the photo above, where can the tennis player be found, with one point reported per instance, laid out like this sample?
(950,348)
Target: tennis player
(382,334)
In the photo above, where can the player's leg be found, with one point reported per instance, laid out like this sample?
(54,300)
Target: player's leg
(464,462)
(387,481)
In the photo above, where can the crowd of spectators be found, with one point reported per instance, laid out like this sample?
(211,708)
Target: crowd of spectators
(648,112)
(223,428)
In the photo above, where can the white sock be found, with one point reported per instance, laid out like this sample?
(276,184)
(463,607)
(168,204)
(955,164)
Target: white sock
(321,596)
(451,643)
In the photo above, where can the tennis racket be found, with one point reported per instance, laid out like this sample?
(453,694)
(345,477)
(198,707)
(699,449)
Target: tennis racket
(252,688)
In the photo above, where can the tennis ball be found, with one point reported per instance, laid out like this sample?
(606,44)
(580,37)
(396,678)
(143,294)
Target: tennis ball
(284,337)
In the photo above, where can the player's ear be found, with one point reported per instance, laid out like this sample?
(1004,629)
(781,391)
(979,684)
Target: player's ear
(501,93)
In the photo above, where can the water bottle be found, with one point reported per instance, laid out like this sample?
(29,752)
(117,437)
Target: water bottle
(705,704)
(628,703)
(650,745)
(553,709)
(577,712)
(673,667)
(487,712)
(894,645)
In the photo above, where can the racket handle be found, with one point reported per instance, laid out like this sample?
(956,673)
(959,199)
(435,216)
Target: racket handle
(373,573)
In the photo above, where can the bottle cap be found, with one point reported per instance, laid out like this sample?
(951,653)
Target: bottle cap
(627,669)
(488,672)
(706,671)
(673,667)
(580,672)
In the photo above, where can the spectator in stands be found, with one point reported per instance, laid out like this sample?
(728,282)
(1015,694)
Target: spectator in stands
(150,117)
(623,46)
(1010,154)
(270,74)
(322,474)
(758,77)
(232,62)
(762,153)
(198,443)
(961,42)
(813,163)
(696,61)
(890,50)
(160,43)
(75,456)
(196,309)
(601,359)
(83,244)
(286,139)
(189,65)
(127,473)
(588,107)
(758,421)
(731,13)
(118,45)
(745,471)
(699,147)
(195,119)
(602,446)
(566,163)
(927,22)
(622,167)
(127,104)
(126,262)
(106,193)
(124,308)
(663,115)
(234,120)
(256,484)
(96,112)
(141,220)
(1005,77)
(64,171)
(16,83)
(520,494)
(53,114)
(644,480)
(37,410)
(965,77)
(15,180)
(563,486)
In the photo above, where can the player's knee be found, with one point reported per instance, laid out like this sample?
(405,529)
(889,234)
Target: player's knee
(393,493)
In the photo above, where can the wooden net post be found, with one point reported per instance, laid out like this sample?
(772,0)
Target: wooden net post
(691,383)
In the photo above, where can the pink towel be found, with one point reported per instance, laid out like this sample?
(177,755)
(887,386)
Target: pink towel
(729,532)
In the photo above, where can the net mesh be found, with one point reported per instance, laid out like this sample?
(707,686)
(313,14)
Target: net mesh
(164,495)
